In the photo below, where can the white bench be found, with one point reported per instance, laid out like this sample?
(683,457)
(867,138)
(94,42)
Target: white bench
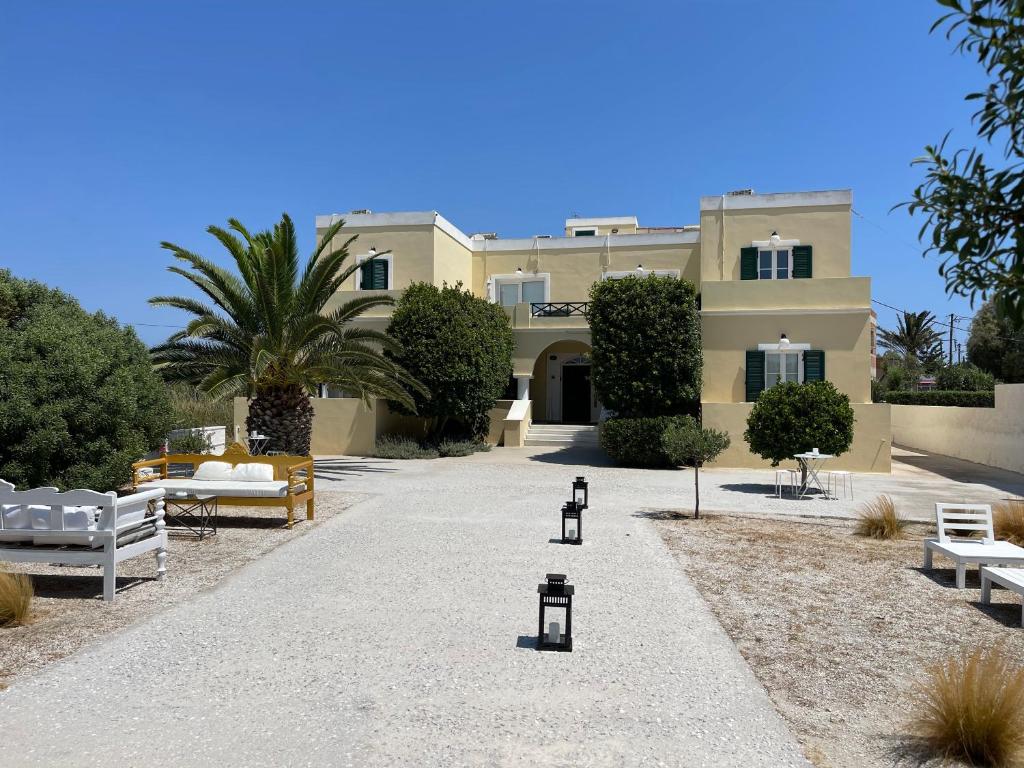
(984,551)
(82,527)
(1011,578)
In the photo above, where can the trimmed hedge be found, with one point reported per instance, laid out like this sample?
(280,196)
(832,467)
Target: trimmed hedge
(639,442)
(943,397)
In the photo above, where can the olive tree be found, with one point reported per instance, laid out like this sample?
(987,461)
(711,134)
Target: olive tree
(689,444)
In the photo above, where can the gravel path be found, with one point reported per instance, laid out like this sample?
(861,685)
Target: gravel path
(399,633)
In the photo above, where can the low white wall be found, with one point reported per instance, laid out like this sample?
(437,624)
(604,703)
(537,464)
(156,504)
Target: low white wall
(990,436)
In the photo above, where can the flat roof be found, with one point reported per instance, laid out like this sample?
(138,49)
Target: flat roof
(776,200)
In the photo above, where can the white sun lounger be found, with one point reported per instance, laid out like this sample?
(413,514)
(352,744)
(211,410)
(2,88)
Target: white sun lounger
(984,551)
(1011,578)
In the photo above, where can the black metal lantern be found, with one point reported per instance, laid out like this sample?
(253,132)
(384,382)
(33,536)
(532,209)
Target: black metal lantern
(572,523)
(580,493)
(555,593)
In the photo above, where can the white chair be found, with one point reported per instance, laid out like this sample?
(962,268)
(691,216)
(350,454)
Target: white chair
(833,480)
(984,551)
(784,477)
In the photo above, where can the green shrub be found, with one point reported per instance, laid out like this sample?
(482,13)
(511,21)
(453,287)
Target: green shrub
(460,347)
(399,447)
(793,418)
(942,397)
(964,377)
(193,441)
(79,400)
(639,442)
(448,448)
(645,334)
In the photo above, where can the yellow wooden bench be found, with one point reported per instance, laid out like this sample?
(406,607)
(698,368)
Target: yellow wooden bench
(295,471)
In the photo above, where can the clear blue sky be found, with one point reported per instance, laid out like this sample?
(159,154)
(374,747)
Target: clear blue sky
(124,124)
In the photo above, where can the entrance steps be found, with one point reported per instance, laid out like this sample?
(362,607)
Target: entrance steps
(562,434)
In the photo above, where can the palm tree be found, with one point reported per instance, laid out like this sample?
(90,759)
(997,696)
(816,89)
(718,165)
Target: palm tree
(915,339)
(266,334)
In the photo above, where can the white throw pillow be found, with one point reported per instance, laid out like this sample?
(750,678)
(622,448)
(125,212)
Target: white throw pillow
(16,516)
(75,518)
(213,470)
(253,473)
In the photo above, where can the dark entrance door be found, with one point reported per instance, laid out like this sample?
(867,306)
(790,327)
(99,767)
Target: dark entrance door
(576,394)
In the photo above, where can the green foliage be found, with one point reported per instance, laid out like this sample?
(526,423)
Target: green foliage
(915,341)
(79,401)
(460,347)
(645,335)
(794,418)
(639,442)
(193,441)
(994,345)
(400,447)
(964,377)
(454,448)
(266,332)
(942,397)
(193,408)
(686,442)
(971,205)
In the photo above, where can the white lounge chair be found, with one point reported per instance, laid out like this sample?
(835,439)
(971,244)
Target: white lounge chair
(984,551)
(42,525)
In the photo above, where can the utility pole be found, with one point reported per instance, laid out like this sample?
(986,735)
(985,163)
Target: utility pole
(952,318)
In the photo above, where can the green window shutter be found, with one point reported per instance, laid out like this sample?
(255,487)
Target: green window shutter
(755,374)
(748,263)
(814,365)
(374,275)
(802,262)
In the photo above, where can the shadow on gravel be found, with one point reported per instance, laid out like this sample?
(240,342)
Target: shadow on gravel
(339,469)
(664,514)
(76,586)
(768,491)
(527,641)
(946,577)
(575,456)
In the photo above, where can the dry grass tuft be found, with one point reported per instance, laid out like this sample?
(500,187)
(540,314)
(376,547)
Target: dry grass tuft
(880,520)
(15,599)
(1008,521)
(973,709)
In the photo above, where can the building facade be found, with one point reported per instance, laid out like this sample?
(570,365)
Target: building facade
(778,301)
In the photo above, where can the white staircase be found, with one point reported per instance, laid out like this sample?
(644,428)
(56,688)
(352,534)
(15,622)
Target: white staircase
(562,434)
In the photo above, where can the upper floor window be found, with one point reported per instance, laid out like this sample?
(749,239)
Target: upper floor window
(775,259)
(781,367)
(376,273)
(585,232)
(510,290)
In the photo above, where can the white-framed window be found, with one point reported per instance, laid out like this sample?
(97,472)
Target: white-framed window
(509,290)
(638,273)
(378,275)
(774,258)
(584,231)
(782,364)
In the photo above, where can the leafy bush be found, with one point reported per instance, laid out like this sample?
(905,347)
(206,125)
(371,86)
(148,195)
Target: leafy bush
(686,443)
(15,599)
(972,709)
(793,418)
(1008,521)
(448,448)
(194,441)
(942,397)
(964,377)
(399,447)
(879,519)
(460,347)
(645,334)
(639,442)
(79,400)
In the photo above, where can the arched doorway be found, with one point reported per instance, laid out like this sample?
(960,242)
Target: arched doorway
(562,388)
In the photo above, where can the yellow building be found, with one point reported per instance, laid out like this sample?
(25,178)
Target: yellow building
(778,303)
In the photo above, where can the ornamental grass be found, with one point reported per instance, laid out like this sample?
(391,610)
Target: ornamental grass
(879,519)
(1008,521)
(15,599)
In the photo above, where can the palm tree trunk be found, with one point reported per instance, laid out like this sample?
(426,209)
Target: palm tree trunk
(285,415)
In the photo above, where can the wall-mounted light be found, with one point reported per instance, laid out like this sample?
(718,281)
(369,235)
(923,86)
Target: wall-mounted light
(519,270)
(373,251)
(774,239)
(640,269)
(783,342)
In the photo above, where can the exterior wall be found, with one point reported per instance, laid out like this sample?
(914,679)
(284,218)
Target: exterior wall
(795,216)
(340,426)
(453,261)
(870,451)
(845,338)
(990,436)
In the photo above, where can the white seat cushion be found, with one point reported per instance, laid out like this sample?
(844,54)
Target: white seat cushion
(213,470)
(17,517)
(75,519)
(271,489)
(251,472)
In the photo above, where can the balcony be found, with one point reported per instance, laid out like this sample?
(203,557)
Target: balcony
(558,309)
(549,314)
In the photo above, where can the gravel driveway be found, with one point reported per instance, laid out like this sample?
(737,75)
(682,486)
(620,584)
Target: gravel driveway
(399,633)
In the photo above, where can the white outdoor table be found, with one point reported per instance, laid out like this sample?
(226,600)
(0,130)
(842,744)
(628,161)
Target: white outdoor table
(812,464)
